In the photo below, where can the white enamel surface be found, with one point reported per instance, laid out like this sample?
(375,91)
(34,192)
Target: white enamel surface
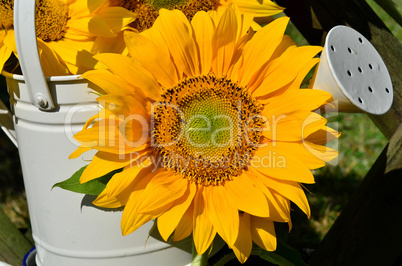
(67,228)
(360,79)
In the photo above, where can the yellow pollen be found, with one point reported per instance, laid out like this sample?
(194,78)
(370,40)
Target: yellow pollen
(51,18)
(6,14)
(147,10)
(206,129)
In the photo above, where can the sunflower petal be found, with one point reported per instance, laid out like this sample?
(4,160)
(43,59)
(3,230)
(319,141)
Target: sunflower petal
(85,8)
(168,221)
(9,41)
(105,136)
(123,106)
(5,53)
(285,46)
(120,200)
(323,135)
(292,126)
(132,72)
(124,179)
(177,32)
(224,217)
(80,150)
(260,48)
(223,42)
(203,230)
(109,45)
(288,189)
(162,190)
(147,53)
(263,233)
(305,99)
(245,195)
(279,209)
(185,226)
(109,82)
(103,163)
(203,30)
(286,68)
(242,247)
(90,26)
(275,163)
(131,220)
(50,61)
(117,17)
(259,8)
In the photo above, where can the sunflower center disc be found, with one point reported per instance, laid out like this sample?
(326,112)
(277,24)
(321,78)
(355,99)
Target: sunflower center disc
(206,129)
(6,14)
(51,20)
(147,10)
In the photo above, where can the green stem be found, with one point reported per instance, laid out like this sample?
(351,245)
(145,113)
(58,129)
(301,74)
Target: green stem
(199,260)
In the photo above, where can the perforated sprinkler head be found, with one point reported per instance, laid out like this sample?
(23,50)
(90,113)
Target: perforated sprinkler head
(354,73)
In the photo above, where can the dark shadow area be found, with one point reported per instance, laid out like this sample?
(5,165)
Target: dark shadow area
(12,191)
(327,198)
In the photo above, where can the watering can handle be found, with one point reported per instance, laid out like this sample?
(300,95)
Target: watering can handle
(27,48)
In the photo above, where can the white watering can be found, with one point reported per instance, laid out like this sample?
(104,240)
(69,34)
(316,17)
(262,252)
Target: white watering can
(46,113)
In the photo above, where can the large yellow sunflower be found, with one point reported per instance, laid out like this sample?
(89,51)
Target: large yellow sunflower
(67,32)
(148,10)
(209,124)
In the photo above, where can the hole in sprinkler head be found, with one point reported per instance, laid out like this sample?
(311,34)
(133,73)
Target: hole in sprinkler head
(333,48)
(387,90)
(360,40)
(370,66)
(360,70)
(349,73)
(350,50)
(360,100)
(370,89)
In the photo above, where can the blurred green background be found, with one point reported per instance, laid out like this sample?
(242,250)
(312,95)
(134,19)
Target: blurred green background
(360,144)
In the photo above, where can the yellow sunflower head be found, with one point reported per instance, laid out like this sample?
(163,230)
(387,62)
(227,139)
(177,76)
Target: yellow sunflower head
(209,125)
(148,10)
(68,31)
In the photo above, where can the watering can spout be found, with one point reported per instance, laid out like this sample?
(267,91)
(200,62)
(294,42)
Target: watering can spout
(354,73)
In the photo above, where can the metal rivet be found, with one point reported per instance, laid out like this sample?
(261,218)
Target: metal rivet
(41,101)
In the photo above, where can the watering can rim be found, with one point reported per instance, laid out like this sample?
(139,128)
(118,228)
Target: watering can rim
(50,78)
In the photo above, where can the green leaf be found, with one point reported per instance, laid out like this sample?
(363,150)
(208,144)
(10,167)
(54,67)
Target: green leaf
(93,187)
(391,8)
(284,255)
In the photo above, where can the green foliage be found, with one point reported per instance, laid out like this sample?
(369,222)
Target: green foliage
(284,255)
(93,187)
(391,8)
(389,19)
